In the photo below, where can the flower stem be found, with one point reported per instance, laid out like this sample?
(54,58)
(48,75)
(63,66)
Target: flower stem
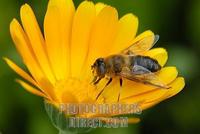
(66,132)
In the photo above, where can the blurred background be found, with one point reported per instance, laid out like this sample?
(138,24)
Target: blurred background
(178,24)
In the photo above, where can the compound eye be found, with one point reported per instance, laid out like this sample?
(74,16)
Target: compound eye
(102,69)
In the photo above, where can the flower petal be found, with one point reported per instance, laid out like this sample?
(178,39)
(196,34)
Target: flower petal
(133,120)
(167,74)
(22,44)
(160,54)
(118,121)
(57,27)
(81,33)
(158,95)
(99,6)
(177,86)
(20,71)
(31,89)
(103,34)
(127,29)
(36,39)
(135,91)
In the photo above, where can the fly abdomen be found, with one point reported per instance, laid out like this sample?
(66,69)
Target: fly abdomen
(146,62)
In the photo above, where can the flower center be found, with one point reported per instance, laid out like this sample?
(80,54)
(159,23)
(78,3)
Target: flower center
(74,90)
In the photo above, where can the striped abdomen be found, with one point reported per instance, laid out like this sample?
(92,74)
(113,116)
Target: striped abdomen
(146,62)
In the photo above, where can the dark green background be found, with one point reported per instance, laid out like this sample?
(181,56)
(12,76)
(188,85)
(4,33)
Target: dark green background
(178,24)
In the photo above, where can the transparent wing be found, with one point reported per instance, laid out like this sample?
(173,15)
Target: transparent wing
(143,75)
(142,45)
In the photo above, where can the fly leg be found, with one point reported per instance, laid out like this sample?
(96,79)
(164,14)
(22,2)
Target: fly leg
(109,81)
(120,82)
(97,81)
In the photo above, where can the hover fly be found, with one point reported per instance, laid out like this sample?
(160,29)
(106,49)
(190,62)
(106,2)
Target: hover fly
(130,64)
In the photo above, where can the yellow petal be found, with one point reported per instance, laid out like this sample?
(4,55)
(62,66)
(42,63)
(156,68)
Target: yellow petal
(99,6)
(31,89)
(20,71)
(167,74)
(48,89)
(127,29)
(130,120)
(57,35)
(23,46)
(177,86)
(134,91)
(36,40)
(81,32)
(148,105)
(133,120)
(102,34)
(160,54)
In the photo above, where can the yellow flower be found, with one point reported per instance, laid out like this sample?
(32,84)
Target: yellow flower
(59,62)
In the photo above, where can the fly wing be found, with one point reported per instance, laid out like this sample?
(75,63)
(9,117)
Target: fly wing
(142,75)
(141,45)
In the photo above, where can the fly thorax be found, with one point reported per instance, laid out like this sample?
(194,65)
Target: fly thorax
(115,63)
